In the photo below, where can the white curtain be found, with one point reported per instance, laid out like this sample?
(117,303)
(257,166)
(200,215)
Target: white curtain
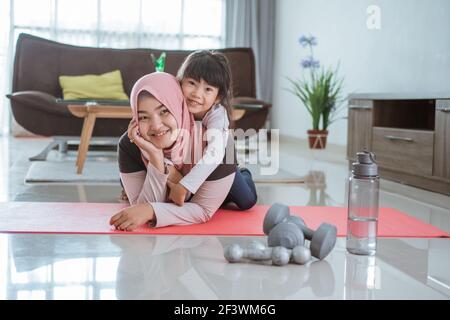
(158,24)
(250,23)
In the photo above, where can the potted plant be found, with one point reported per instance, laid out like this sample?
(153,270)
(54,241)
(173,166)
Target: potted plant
(319,93)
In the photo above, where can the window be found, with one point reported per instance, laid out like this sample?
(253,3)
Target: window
(168,24)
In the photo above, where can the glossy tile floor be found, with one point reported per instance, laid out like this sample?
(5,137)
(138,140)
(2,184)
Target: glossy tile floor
(171,267)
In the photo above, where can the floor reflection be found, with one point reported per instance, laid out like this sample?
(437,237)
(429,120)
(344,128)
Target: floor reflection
(60,267)
(315,182)
(149,267)
(4,168)
(194,268)
(70,193)
(362,277)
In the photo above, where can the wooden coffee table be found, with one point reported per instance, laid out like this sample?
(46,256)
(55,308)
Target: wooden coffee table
(90,113)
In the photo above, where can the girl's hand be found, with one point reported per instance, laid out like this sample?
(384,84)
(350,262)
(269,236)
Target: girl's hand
(177,193)
(132,217)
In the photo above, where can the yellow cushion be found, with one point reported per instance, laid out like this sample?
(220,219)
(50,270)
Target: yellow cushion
(105,86)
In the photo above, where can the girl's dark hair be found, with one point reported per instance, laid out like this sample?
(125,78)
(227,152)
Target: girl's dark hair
(212,67)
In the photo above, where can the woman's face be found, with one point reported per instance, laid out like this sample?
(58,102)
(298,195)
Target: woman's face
(156,123)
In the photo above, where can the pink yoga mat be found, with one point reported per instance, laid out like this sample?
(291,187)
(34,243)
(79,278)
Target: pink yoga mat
(93,218)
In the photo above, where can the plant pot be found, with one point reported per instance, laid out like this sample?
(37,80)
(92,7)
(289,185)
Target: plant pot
(317,139)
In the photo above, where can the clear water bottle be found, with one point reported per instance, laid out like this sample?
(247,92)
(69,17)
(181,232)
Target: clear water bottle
(363,195)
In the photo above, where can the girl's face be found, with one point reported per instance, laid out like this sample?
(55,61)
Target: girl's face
(156,123)
(199,95)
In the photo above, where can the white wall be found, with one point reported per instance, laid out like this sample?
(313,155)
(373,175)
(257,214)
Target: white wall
(409,53)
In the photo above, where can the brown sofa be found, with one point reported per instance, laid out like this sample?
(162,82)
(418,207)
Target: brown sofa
(39,62)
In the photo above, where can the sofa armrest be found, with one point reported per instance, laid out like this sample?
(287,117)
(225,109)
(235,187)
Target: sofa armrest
(39,100)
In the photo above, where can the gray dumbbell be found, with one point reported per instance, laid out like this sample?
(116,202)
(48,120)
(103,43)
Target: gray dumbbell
(322,240)
(283,229)
(298,255)
(278,217)
(254,251)
(258,252)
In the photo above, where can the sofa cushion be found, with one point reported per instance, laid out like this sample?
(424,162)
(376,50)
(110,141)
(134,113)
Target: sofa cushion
(105,86)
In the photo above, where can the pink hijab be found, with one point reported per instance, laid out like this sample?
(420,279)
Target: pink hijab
(166,89)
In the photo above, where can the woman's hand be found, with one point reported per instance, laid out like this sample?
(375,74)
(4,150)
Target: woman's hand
(132,217)
(151,153)
(143,144)
(177,193)
(131,125)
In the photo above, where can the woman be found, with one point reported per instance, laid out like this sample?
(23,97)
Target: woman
(161,145)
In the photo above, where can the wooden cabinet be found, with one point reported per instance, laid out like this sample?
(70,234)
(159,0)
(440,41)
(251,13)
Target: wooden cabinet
(397,149)
(409,134)
(360,122)
(441,166)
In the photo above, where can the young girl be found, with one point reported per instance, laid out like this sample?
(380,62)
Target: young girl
(160,116)
(205,79)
